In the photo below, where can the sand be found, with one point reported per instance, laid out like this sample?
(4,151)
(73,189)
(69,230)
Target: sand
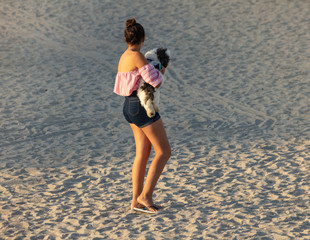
(235,106)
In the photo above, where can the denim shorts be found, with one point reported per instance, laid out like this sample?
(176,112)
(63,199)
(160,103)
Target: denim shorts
(135,113)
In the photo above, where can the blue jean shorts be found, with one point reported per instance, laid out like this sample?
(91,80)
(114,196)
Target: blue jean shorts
(135,113)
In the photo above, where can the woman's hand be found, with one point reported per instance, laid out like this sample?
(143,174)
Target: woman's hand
(162,70)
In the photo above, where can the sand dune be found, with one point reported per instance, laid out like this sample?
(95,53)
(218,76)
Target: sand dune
(235,106)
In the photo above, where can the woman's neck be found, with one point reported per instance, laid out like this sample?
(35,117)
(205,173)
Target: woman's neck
(135,48)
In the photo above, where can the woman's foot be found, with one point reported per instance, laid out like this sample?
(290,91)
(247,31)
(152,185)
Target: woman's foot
(136,205)
(150,209)
(148,203)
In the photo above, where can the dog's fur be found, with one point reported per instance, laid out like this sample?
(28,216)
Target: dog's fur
(148,95)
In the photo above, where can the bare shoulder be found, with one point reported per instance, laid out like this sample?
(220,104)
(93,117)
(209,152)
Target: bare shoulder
(140,59)
(131,61)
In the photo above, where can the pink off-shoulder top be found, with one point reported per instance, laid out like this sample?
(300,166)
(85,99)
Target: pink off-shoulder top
(127,82)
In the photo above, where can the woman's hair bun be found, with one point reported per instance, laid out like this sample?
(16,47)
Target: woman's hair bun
(130,22)
(134,32)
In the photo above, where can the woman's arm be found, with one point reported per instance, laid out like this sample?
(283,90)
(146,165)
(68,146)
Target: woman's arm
(148,73)
(141,61)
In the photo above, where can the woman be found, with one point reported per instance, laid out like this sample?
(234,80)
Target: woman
(147,131)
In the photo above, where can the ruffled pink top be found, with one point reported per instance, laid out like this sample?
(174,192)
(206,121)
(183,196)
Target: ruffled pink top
(127,82)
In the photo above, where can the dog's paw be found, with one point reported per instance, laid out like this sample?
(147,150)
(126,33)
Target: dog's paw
(151,114)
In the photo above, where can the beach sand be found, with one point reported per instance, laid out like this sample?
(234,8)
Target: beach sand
(235,105)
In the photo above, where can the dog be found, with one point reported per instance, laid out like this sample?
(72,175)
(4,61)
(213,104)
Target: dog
(148,95)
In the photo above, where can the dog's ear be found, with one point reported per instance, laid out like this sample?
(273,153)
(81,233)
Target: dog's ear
(163,56)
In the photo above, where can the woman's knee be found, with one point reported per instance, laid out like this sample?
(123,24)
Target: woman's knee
(143,156)
(165,153)
(169,152)
(168,155)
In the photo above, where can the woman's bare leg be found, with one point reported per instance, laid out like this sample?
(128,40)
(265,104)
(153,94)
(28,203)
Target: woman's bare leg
(143,149)
(156,134)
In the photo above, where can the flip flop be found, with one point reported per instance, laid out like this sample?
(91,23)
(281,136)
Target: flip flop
(147,209)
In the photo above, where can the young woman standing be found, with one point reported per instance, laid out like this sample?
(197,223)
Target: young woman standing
(147,131)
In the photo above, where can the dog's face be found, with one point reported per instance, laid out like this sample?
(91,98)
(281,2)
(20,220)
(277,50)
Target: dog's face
(158,57)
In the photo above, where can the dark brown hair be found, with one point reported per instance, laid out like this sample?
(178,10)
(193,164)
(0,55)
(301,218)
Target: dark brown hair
(134,32)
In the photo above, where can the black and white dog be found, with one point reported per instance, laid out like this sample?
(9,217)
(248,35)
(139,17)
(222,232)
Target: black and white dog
(148,95)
